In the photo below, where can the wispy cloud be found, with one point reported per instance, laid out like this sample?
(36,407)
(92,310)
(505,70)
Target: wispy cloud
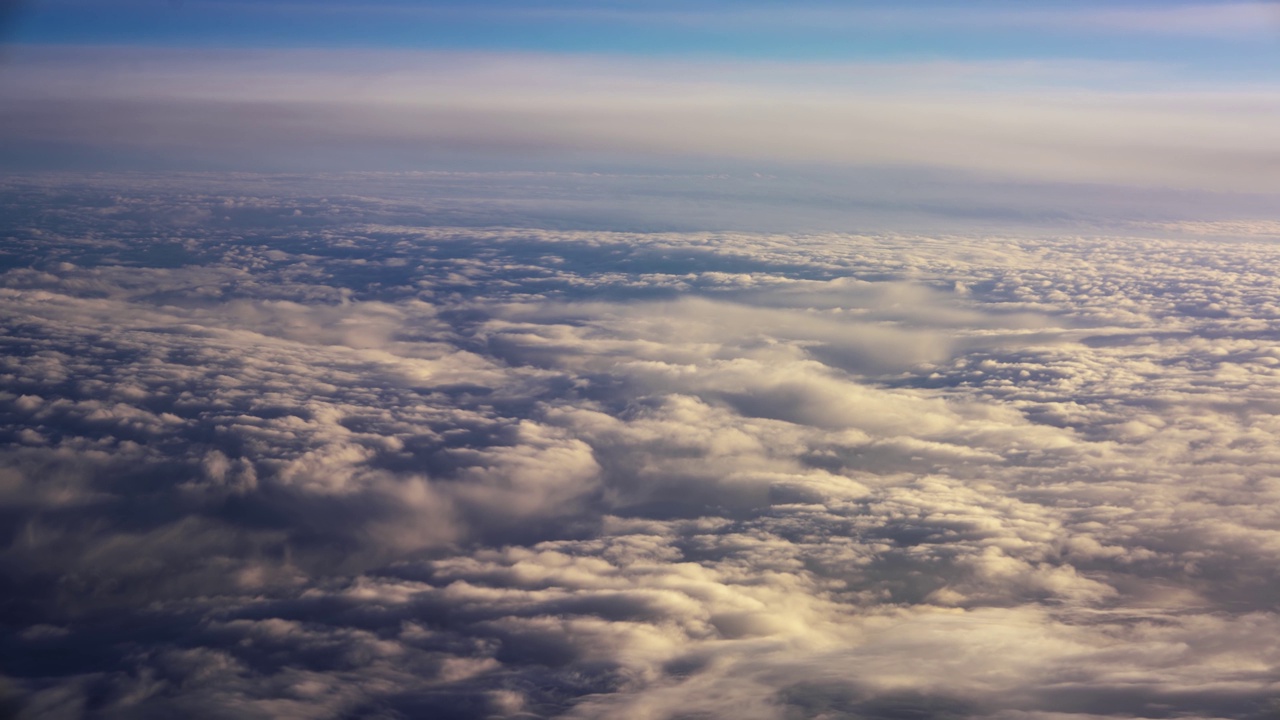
(1215,20)
(1186,19)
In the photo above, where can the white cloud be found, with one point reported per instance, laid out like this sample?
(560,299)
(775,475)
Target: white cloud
(586,474)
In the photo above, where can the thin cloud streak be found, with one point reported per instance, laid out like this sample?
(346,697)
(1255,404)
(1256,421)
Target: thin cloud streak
(1239,20)
(1220,20)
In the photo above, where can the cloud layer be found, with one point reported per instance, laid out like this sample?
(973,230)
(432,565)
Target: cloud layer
(292,452)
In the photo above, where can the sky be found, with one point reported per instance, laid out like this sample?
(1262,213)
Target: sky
(1158,94)
(652,361)
(1216,34)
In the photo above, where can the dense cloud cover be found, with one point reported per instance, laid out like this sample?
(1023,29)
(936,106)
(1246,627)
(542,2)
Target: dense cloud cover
(317,449)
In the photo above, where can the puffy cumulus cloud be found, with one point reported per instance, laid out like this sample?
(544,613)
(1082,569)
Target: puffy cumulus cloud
(261,464)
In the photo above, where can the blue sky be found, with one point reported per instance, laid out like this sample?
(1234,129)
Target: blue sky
(1224,37)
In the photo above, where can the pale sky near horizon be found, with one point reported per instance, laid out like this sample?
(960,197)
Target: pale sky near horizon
(1134,94)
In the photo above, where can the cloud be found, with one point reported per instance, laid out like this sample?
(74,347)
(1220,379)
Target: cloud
(1205,19)
(346,463)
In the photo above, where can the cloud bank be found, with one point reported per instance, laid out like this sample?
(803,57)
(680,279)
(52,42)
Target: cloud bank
(274,450)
